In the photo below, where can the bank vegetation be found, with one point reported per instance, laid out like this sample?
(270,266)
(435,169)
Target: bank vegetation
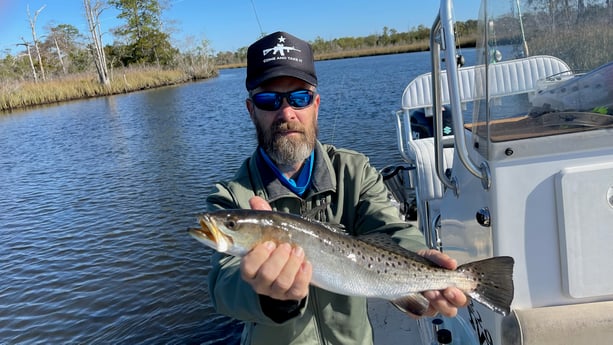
(78,72)
(68,64)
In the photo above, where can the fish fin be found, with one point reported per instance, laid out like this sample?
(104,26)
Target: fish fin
(315,211)
(318,212)
(415,304)
(311,216)
(334,227)
(494,282)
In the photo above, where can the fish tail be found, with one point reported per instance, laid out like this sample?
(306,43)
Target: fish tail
(494,279)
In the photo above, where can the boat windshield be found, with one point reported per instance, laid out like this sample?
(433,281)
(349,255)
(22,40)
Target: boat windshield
(548,68)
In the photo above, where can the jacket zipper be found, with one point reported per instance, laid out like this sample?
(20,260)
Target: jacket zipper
(317,318)
(314,303)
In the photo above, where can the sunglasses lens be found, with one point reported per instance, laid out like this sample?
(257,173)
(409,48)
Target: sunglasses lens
(267,100)
(300,98)
(271,101)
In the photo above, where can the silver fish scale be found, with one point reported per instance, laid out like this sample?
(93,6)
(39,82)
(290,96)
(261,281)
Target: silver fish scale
(353,267)
(350,266)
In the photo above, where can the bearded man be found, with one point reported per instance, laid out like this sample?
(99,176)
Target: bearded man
(291,171)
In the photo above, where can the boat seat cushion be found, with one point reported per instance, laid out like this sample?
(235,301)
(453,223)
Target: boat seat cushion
(429,187)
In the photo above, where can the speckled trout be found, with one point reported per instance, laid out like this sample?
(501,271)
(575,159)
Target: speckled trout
(369,266)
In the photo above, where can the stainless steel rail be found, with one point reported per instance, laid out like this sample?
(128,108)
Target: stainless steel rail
(442,34)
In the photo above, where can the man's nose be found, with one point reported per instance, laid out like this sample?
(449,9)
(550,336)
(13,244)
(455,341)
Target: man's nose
(286,111)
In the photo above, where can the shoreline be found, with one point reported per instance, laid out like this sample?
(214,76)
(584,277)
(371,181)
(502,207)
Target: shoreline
(27,95)
(348,54)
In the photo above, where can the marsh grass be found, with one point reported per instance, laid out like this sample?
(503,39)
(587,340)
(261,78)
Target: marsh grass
(25,94)
(390,49)
(15,95)
(583,48)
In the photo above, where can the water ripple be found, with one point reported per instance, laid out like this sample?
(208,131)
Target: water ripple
(96,196)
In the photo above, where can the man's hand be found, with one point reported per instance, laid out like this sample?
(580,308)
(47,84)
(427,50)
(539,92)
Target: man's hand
(445,301)
(279,271)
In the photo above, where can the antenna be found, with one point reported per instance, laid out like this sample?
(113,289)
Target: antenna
(258,19)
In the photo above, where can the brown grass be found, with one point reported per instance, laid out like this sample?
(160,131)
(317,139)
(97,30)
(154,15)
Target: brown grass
(394,49)
(583,48)
(25,94)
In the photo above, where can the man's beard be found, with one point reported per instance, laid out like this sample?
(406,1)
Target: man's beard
(283,150)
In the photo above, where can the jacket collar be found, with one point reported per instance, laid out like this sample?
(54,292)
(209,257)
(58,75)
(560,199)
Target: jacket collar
(323,177)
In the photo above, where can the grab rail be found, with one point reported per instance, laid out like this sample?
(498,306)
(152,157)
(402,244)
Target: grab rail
(442,34)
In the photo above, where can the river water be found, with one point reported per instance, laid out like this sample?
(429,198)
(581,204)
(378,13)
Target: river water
(95,197)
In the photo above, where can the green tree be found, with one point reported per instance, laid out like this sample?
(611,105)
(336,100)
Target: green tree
(196,58)
(13,68)
(144,37)
(62,43)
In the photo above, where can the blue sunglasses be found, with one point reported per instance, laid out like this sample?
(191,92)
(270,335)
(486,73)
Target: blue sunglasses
(272,101)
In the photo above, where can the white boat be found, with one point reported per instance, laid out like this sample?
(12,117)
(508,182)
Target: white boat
(527,171)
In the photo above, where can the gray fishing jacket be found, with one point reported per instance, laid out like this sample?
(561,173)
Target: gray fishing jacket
(345,189)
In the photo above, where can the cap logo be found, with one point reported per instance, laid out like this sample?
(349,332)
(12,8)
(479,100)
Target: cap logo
(281,49)
(279,55)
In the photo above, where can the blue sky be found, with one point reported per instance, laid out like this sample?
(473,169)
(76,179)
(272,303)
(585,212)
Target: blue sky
(232,24)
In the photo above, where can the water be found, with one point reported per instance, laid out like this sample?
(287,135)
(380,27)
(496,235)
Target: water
(95,197)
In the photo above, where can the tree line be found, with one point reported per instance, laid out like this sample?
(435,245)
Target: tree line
(388,38)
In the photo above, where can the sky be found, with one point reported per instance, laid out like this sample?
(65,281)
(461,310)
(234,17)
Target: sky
(228,25)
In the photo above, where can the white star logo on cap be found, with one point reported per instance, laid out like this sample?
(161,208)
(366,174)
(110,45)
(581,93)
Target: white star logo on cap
(280,48)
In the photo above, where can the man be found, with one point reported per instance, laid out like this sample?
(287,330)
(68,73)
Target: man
(291,171)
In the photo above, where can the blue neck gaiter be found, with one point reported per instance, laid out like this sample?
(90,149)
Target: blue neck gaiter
(299,185)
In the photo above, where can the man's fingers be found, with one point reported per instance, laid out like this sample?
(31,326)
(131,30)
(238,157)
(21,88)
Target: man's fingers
(279,272)
(439,258)
(252,262)
(291,258)
(302,279)
(269,270)
(456,297)
(446,301)
(257,203)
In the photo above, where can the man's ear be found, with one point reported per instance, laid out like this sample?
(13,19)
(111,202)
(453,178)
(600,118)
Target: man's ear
(250,108)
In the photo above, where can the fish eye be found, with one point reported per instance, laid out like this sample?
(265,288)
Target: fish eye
(230,224)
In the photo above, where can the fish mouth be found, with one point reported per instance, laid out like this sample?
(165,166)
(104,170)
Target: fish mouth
(210,235)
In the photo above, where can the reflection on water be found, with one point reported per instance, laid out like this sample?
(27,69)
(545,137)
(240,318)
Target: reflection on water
(96,196)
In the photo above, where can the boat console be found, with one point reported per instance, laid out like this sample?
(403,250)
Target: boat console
(528,168)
